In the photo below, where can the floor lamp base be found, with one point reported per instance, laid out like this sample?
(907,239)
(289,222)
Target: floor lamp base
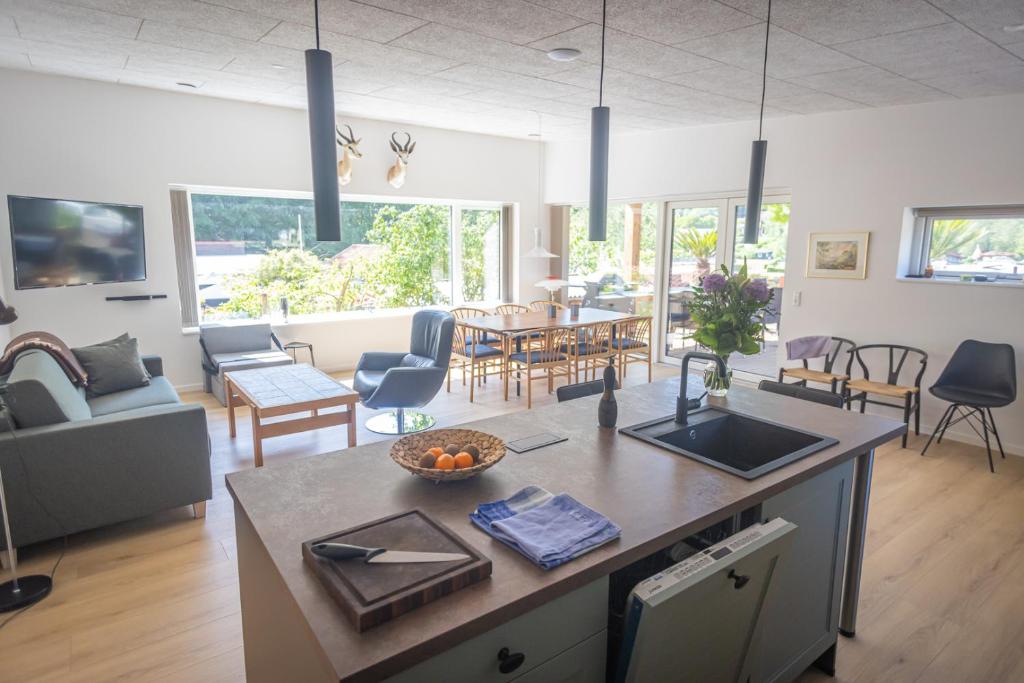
(31,589)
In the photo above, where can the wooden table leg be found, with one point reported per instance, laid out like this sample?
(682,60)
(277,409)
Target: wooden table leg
(257,437)
(228,393)
(352,425)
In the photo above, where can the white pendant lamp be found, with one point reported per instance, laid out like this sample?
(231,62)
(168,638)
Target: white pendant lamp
(758,155)
(538,250)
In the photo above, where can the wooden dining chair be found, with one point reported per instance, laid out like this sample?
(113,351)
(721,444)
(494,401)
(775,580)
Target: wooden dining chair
(542,305)
(463,312)
(511,309)
(469,352)
(589,347)
(632,343)
(908,393)
(545,360)
(829,374)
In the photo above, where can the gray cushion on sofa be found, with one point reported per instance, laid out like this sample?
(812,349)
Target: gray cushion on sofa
(39,393)
(243,360)
(113,365)
(219,338)
(158,392)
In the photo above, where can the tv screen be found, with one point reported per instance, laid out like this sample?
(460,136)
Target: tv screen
(59,242)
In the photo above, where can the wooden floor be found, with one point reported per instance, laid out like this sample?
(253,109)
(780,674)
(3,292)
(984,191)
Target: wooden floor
(157,599)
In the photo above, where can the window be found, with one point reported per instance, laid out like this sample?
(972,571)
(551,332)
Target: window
(975,244)
(253,252)
(617,274)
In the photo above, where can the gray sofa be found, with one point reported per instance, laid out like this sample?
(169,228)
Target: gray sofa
(74,463)
(228,347)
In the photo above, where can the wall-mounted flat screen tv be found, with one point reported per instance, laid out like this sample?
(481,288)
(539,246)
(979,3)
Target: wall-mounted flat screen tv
(60,242)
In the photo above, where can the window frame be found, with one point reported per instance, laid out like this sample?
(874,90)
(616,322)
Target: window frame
(921,241)
(185,249)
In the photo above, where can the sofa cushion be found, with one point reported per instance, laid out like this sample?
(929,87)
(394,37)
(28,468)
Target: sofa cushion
(39,393)
(158,392)
(246,360)
(411,360)
(112,366)
(367,381)
(219,338)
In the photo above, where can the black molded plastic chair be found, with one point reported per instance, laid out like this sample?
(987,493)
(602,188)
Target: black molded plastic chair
(804,393)
(839,347)
(891,387)
(979,377)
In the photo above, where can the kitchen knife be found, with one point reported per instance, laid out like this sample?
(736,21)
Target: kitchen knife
(341,551)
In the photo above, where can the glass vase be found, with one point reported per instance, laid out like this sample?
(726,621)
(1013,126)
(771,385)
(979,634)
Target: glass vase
(715,382)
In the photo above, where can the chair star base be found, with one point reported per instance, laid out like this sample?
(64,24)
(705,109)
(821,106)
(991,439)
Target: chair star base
(400,421)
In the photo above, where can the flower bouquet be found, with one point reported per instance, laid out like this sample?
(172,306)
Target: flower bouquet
(729,310)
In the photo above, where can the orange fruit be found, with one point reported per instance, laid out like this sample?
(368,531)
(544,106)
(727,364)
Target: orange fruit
(445,462)
(463,460)
(436,451)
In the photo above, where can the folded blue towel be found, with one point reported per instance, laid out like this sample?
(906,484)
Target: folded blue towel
(549,530)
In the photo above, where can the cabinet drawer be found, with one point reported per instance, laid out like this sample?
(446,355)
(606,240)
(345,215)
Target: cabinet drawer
(584,663)
(538,635)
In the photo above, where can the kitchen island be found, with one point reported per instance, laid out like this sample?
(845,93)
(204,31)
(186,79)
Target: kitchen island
(294,631)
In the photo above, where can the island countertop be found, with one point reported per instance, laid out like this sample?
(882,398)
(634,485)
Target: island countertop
(655,496)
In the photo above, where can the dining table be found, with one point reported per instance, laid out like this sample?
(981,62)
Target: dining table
(516,323)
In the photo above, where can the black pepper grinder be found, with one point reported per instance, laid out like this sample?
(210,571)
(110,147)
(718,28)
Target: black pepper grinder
(607,408)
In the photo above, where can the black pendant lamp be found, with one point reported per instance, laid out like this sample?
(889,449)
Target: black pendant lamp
(758,154)
(322,143)
(599,119)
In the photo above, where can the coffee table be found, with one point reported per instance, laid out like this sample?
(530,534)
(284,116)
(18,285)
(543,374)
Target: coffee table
(285,390)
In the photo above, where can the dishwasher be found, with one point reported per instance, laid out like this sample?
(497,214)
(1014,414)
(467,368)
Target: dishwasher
(697,619)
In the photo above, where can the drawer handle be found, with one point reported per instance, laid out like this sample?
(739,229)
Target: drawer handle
(509,661)
(738,580)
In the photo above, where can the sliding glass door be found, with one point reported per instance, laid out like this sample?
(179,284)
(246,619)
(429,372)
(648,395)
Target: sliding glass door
(700,236)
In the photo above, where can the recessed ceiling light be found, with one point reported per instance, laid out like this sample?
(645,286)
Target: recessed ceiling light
(1014,29)
(564,54)
(186,84)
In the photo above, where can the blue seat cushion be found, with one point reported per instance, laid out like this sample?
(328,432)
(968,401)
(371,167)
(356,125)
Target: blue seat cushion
(584,349)
(627,343)
(482,351)
(537,357)
(367,381)
(158,392)
(484,338)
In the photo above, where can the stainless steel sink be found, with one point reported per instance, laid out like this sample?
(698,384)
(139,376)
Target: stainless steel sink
(745,446)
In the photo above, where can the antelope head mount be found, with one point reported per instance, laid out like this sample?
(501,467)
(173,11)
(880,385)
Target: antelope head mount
(396,174)
(349,150)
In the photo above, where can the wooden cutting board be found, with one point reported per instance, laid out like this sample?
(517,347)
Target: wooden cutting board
(371,594)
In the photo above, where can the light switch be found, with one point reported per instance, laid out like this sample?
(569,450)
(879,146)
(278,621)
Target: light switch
(797,297)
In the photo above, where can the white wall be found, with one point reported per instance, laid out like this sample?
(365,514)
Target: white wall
(79,139)
(851,171)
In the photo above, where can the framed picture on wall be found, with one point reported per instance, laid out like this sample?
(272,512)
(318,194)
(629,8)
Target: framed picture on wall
(838,254)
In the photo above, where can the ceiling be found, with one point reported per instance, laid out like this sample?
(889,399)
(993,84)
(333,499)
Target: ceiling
(480,65)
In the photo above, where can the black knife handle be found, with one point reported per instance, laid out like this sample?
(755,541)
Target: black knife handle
(342,551)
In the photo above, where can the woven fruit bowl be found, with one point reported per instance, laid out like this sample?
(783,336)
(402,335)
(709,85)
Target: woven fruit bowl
(409,450)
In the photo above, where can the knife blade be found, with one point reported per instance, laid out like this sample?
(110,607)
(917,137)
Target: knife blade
(343,551)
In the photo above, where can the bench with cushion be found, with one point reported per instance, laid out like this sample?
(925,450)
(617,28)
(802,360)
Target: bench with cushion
(73,463)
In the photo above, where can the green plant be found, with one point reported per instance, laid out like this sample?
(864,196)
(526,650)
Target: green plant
(415,258)
(949,237)
(702,244)
(728,309)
